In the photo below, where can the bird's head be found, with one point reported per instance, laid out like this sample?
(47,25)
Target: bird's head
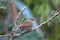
(32,19)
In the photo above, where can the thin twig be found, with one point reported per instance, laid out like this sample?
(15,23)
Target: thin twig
(20,12)
(20,34)
(14,28)
(5,35)
(49,20)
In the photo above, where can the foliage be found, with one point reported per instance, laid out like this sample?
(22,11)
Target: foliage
(41,11)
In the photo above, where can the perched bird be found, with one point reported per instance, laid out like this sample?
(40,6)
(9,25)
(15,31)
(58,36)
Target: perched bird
(27,25)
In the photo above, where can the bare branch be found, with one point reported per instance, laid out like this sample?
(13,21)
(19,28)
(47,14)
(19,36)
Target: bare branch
(5,35)
(24,32)
(49,20)
(14,28)
(20,12)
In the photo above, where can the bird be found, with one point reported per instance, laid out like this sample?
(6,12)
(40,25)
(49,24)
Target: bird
(27,24)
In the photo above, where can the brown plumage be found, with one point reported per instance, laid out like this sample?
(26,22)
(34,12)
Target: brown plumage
(27,25)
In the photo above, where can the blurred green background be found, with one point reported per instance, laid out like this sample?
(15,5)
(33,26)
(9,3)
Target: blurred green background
(41,11)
